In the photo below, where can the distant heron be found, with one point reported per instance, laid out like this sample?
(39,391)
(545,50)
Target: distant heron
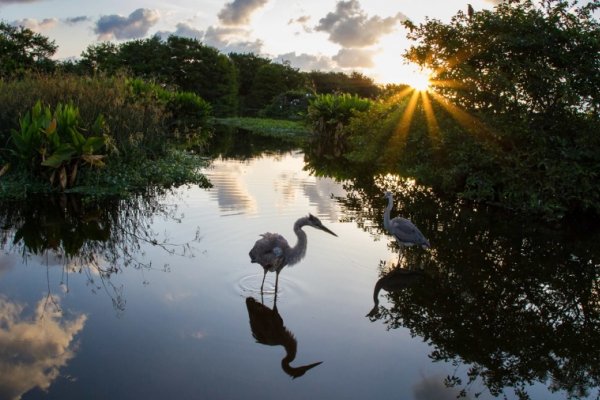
(273,252)
(405,232)
(267,328)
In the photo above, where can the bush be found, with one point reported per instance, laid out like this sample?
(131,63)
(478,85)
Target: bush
(139,117)
(52,143)
(328,114)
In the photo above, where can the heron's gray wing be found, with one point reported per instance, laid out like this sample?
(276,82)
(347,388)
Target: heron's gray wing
(405,231)
(268,251)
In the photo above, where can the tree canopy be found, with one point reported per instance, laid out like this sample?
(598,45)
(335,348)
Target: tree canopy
(21,50)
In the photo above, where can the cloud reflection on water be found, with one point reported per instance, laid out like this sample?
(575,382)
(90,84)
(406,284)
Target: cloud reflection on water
(33,349)
(244,187)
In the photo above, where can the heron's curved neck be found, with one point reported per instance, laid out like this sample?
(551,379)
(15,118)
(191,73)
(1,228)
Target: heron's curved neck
(386,214)
(296,253)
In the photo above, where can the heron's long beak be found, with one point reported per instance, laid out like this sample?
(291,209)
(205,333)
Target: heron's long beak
(327,230)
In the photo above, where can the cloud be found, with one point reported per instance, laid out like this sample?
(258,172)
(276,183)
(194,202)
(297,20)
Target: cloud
(17,1)
(238,12)
(231,40)
(350,26)
(35,25)
(303,19)
(184,30)
(306,62)
(303,22)
(355,58)
(76,20)
(228,39)
(134,26)
(32,350)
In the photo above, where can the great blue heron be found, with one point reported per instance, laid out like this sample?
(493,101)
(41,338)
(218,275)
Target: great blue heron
(396,279)
(405,232)
(273,252)
(267,328)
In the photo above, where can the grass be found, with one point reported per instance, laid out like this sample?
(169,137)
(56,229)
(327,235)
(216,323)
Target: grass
(295,131)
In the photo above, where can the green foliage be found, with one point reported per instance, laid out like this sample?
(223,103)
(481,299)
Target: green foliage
(270,81)
(126,177)
(292,104)
(139,116)
(328,114)
(339,82)
(22,50)
(515,118)
(182,63)
(54,140)
(294,131)
(189,114)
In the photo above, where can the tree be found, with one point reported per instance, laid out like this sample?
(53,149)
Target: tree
(526,77)
(521,60)
(145,58)
(247,66)
(22,50)
(271,80)
(101,57)
(205,71)
(339,82)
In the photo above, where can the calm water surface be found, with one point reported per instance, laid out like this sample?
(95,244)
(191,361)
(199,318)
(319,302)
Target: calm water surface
(156,298)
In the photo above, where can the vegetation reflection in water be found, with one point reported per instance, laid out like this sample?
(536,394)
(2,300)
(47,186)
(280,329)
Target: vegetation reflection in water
(97,239)
(515,301)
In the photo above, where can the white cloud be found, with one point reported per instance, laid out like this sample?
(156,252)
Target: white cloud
(238,12)
(231,40)
(136,25)
(184,30)
(32,350)
(355,58)
(350,26)
(307,62)
(35,25)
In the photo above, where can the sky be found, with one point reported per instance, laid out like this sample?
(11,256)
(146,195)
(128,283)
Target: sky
(355,35)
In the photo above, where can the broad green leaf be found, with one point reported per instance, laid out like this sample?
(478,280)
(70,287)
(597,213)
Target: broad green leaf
(93,144)
(62,154)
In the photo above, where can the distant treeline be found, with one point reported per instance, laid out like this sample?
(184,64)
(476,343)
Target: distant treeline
(234,84)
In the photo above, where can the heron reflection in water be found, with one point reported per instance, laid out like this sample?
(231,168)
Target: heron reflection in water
(273,252)
(267,328)
(404,231)
(395,280)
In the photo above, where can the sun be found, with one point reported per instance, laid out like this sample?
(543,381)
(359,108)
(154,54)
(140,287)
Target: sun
(420,80)
(388,71)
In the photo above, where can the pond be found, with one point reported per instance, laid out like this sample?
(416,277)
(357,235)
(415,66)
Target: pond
(156,297)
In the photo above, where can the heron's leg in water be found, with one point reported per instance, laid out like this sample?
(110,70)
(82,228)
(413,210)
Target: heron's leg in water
(263,281)
(276,281)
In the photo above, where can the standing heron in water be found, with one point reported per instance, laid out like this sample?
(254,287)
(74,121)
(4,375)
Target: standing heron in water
(273,252)
(405,232)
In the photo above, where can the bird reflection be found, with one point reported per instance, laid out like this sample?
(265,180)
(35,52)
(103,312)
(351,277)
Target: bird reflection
(273,252)
(404,231)
(267,328)
(395,280)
